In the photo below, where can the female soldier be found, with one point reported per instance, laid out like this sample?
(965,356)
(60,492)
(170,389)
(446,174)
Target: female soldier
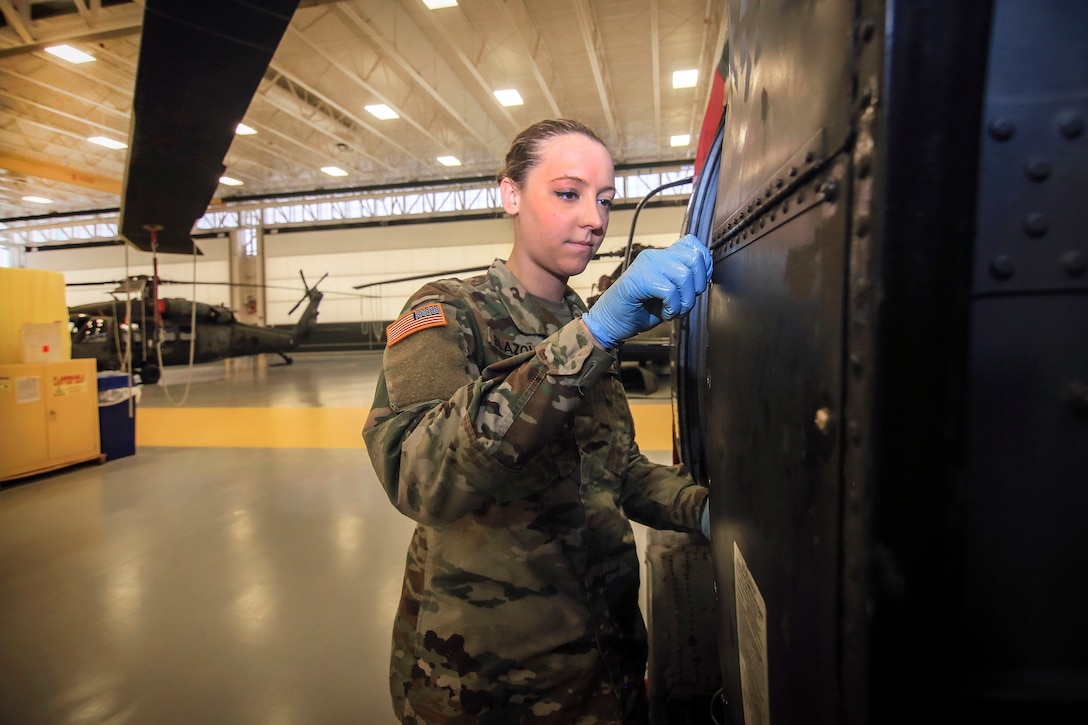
(500,426)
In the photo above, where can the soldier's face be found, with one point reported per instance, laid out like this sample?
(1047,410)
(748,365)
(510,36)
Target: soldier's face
(561,212)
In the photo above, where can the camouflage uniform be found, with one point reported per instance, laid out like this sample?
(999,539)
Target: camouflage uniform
(507,436)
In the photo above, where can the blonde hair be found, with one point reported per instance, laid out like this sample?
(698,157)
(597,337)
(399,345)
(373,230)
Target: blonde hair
(524,153)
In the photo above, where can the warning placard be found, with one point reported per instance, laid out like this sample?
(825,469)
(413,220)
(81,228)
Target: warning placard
(27,390)
(69,384)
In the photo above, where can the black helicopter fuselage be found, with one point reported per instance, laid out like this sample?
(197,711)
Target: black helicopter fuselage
(884,385)
(182,332)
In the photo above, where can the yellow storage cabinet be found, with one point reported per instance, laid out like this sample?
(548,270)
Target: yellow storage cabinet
(48,416)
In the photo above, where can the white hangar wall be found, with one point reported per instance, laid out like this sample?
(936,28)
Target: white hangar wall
(367,255)
(350,256)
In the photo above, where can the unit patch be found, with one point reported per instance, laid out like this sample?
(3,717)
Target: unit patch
(414,321)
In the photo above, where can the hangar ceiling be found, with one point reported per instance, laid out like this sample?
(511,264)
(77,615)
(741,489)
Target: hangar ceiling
(609,63)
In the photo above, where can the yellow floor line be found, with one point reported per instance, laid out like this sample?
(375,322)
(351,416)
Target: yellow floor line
(315,427)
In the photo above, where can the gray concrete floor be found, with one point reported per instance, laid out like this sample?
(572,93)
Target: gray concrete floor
(241,586)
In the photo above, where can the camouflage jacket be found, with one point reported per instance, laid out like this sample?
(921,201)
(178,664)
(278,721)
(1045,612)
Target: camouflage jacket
(507,436)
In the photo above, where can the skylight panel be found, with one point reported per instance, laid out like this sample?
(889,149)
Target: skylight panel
(685,78)
(509,97)
(382,111)
(108,142)
(70,54)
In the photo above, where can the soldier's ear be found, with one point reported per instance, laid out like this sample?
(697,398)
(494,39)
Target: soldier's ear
(511,195)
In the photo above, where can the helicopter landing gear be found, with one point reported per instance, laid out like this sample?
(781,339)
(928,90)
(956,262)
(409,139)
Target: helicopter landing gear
(150,374)
(286,360)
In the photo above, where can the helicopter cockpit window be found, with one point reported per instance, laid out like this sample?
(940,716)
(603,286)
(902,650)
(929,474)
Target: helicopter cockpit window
(95,331)
(169,333)
(137,335)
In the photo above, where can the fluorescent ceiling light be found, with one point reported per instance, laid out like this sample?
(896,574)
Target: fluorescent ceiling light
(382,111)
(37,200)
(680,139)
(108,142)
(685,78)
(449,161)
(509,97)
(334,171)
(244,130)
(439,4)
(70,54)
(229,181)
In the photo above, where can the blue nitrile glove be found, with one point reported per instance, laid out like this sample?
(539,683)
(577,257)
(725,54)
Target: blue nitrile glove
(659,285)
(704,526)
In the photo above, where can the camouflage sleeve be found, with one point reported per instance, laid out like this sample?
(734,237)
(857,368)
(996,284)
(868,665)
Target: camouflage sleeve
(444,437)
(662,497)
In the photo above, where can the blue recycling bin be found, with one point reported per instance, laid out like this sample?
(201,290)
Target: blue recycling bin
(116,427)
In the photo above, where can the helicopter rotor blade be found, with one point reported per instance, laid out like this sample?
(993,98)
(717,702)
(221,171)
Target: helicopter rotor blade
(102,283)
(309,290)
(115,283)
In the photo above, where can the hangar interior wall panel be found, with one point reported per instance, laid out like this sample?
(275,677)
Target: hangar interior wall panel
(350,257)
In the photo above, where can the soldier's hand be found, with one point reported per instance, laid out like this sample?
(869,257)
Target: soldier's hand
(660,284)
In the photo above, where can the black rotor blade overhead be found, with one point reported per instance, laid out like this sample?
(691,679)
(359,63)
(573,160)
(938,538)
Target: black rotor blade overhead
(200,64)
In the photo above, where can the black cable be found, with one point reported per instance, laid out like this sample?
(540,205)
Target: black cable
(642,203)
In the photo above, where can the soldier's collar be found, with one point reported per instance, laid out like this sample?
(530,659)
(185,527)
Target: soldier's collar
(524,312)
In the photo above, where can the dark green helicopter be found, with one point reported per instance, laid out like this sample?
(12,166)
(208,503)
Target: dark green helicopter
(172,331)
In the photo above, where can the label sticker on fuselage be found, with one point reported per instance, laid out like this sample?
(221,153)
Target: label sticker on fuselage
(751,642)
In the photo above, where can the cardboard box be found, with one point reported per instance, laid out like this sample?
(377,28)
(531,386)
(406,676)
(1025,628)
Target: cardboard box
(42,341)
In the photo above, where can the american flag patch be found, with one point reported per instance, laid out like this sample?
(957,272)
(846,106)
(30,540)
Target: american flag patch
(414,321)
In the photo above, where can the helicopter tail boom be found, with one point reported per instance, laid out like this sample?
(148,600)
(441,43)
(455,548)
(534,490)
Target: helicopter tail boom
(308,320)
